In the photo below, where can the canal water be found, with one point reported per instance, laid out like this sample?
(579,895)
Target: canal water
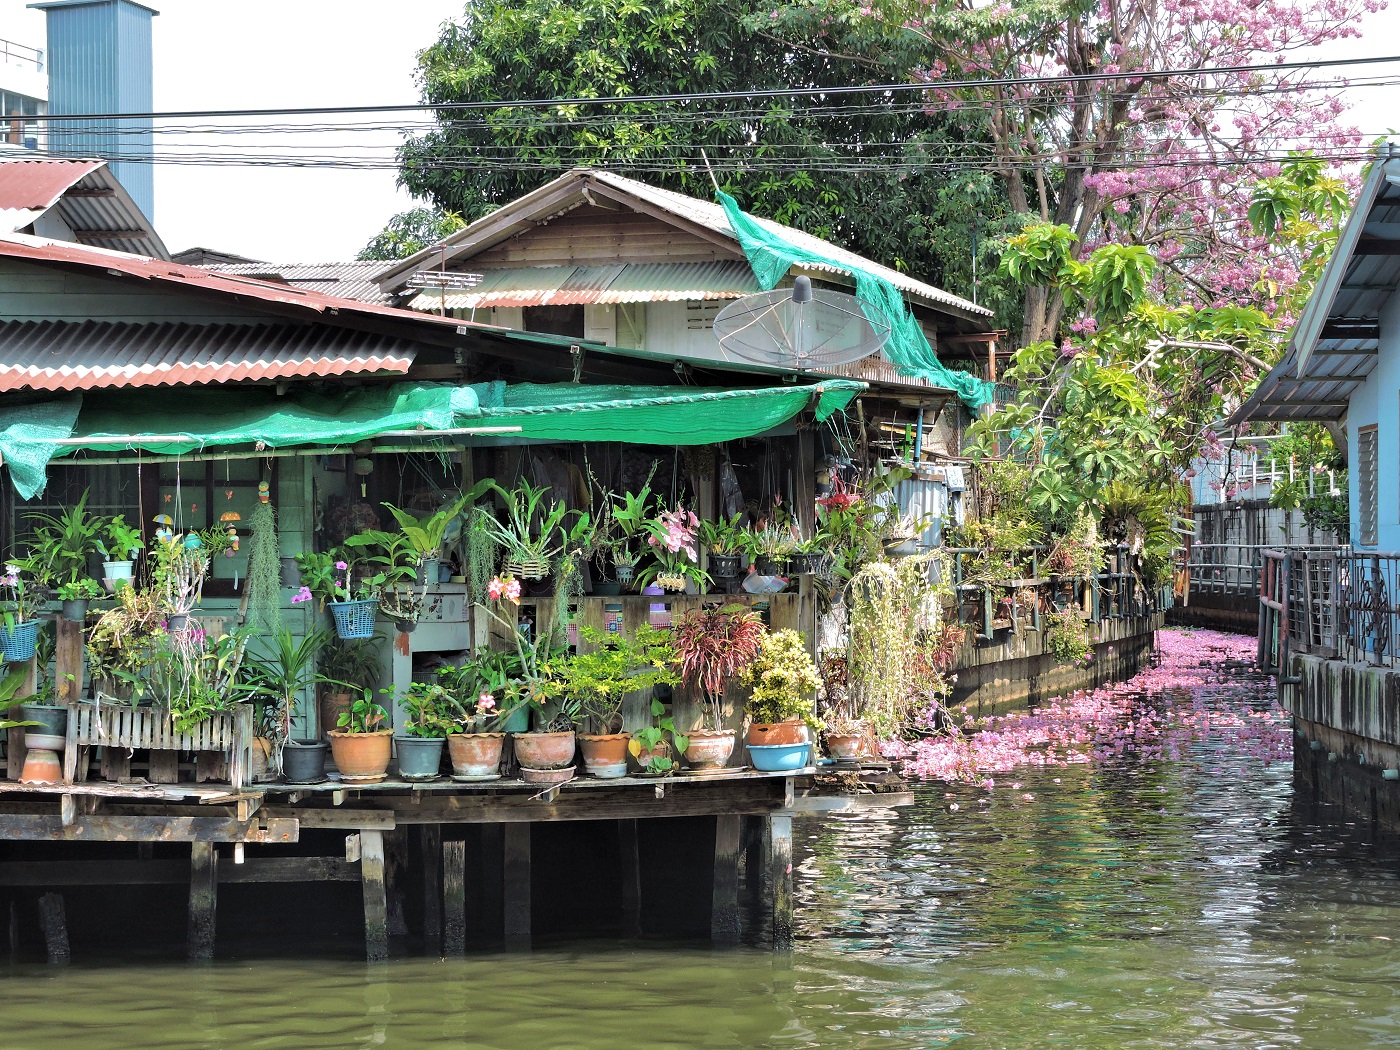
(1166,893)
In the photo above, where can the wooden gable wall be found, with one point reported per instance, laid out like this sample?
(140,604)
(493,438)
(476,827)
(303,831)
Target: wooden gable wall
(599,236)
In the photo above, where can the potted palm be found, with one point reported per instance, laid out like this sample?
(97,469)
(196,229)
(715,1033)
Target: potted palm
(714,644)
(600,679)
(782,701)
(281,675)
(361,745)
(424,732)
(62,545)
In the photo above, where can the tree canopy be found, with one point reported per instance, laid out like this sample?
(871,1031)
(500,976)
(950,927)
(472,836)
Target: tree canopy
(410,232)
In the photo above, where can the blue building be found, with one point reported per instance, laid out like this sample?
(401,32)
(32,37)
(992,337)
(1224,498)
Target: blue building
(99,58)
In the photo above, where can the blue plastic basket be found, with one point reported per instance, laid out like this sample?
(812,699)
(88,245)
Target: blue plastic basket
(18,645)
(354,619)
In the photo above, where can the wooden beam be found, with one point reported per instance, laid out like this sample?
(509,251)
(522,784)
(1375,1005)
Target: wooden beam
(516,870)
(50,828)
(629,853)
(430,854)
(108,235)
(1372,245)
(55,926)
(375,897)
(204,895)
(454,898)
(780,880)
(724,899)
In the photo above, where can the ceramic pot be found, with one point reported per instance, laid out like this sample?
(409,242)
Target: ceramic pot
(362,754)
(517,722)
(41,766)
(53,721)
(790,731)
(117,574)
(646,754)
(475,754)
(726,566)
(329,707)
(544,750)
(779,758)
(709,748)
(845,748)
(605,756)
(420,757)
(546,776)
(304,761)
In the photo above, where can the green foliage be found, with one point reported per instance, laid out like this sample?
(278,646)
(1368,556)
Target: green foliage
(63,542)
(1066,636)
(264,586)
(614,666)
(120,541)
(410,232)
(355,663)
(1142,520)
(363,715)
(428,708)
(783,680)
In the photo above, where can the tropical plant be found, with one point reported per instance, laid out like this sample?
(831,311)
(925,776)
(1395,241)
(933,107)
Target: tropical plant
(20,603)
(356,663)
(425,534)
(613,666)
(10,698)
(198,675)
(649,738)
(714,644)
(724,535)
(62,543)
(478,551)
(428,710)
(363,715)
(85,589)
(1065,636)
(120,541)
(632,517)
(287,670)
(533,532)
(783,680)
(484,689)
(774,542)
(178,567)
(120,643)
(671,541)
(410,232)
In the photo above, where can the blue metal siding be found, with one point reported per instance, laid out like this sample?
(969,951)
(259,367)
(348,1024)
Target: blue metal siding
(100,62)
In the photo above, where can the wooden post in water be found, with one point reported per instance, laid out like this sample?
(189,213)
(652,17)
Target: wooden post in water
(631,860)
(204,894)
(517,886)
(395,869)
(430,847)
(724,901)
(454,898)
(493,900)
(52,919)
(780,880)
(375,895)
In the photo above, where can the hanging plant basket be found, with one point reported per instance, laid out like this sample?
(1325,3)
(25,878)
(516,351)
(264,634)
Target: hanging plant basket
(528,568)
(725,566)
(625,571)
(354,619)
(671,581)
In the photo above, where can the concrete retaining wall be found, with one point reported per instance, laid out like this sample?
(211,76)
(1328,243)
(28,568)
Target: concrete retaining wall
(1013,671)
(1219,612)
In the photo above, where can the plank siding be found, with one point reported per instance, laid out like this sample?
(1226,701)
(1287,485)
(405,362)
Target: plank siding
(595,235)
(30,292)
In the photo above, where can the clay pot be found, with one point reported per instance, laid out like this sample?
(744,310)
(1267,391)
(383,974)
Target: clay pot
(709,748)
(605,756)
(544,750)
(329,707)
(766,734)
(845,748)
(646,754)
(546,776)
(475,754)
(362,754)
(41,767)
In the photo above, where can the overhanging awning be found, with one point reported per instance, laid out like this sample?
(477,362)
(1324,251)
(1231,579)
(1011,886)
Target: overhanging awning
(168,423)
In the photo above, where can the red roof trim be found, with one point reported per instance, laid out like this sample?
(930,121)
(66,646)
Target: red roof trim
(125,376)
(36,185)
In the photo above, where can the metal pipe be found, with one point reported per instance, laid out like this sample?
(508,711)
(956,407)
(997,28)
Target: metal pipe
(220,457)
(132,439)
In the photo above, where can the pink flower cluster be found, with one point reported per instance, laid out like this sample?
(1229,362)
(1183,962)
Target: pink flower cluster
(676,533)
(507,587)
(1159,714)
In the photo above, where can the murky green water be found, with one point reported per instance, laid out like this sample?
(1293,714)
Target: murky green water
(1178,906)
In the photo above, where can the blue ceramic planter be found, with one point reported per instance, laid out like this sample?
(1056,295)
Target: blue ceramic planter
(779,758)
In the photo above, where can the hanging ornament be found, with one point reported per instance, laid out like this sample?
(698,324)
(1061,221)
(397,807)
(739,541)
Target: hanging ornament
(228,520)
(168,497)
(194,507)
(165,527)
(228,494)
(264,495)
(364,466)
(192,541)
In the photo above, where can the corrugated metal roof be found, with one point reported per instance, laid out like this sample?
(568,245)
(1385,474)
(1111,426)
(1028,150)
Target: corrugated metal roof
(57,355)
(85,195)
(352,280)
(1336,342)
(36,184)
(691,209)
(620,283)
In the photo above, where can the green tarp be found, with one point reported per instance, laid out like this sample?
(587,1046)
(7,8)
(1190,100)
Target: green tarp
(908,349)
(178,422)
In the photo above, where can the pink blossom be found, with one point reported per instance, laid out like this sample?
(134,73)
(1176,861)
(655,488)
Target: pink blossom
(303,595)
(486,702)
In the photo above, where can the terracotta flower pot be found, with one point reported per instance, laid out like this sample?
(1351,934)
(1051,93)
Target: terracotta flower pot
(329,707)
(362,754)
(605,756)
(709,748)
(646,754)
(789,731)
(544,750)
(41,766)
(845,748)
(546,776)
(475,754)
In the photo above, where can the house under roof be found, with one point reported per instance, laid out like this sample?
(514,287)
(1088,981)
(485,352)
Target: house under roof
(1336,342)
(79,201)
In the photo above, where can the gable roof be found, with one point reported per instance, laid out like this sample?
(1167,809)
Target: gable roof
(703,218)
(1336,341)
(85,195)
(348,280)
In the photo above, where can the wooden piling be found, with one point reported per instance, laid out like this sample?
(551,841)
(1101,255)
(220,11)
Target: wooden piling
(780,880)
(492,898)
(55,926)
(395,869)
(430,850)
(204,890)
(724,902)
(454,898)
(375,895)
(516,870)
(630,854)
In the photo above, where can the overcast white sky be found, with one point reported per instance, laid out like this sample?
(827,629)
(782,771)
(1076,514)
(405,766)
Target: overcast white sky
(251,54)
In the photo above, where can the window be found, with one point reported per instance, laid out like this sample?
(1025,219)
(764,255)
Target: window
(555,320)
(1366,475)
(198,495)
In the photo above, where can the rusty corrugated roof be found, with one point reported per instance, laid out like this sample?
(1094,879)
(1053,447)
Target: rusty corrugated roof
(352,280)
(89,355)
(85,195)
(618,283)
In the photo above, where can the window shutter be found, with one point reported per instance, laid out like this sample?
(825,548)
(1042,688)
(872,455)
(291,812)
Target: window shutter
(1366,478)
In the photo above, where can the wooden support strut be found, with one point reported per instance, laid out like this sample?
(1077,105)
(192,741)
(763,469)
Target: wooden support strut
(629,853)
(55,925)
(780,880)
(516,870)
(430,848)
(375,896)
(204,891)
(454,898)
(724,903)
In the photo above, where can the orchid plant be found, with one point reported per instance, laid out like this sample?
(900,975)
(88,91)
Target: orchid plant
(19,602)
(672,542)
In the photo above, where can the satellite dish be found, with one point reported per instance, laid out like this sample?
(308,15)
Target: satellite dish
(801,327)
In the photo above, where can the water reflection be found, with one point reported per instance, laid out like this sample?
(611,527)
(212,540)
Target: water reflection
(1167,904)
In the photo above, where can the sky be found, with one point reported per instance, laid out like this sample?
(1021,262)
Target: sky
(252,54)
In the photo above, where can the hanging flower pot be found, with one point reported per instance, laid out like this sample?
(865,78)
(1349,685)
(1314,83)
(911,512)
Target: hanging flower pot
(671,581)
(528,568)
(175,623)
(625,572)
(17,643)
(726,566)
(354,619)
(769,566)
(805,564)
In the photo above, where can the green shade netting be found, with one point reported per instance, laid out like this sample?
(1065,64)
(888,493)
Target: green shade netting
(772,256)
(27,435)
